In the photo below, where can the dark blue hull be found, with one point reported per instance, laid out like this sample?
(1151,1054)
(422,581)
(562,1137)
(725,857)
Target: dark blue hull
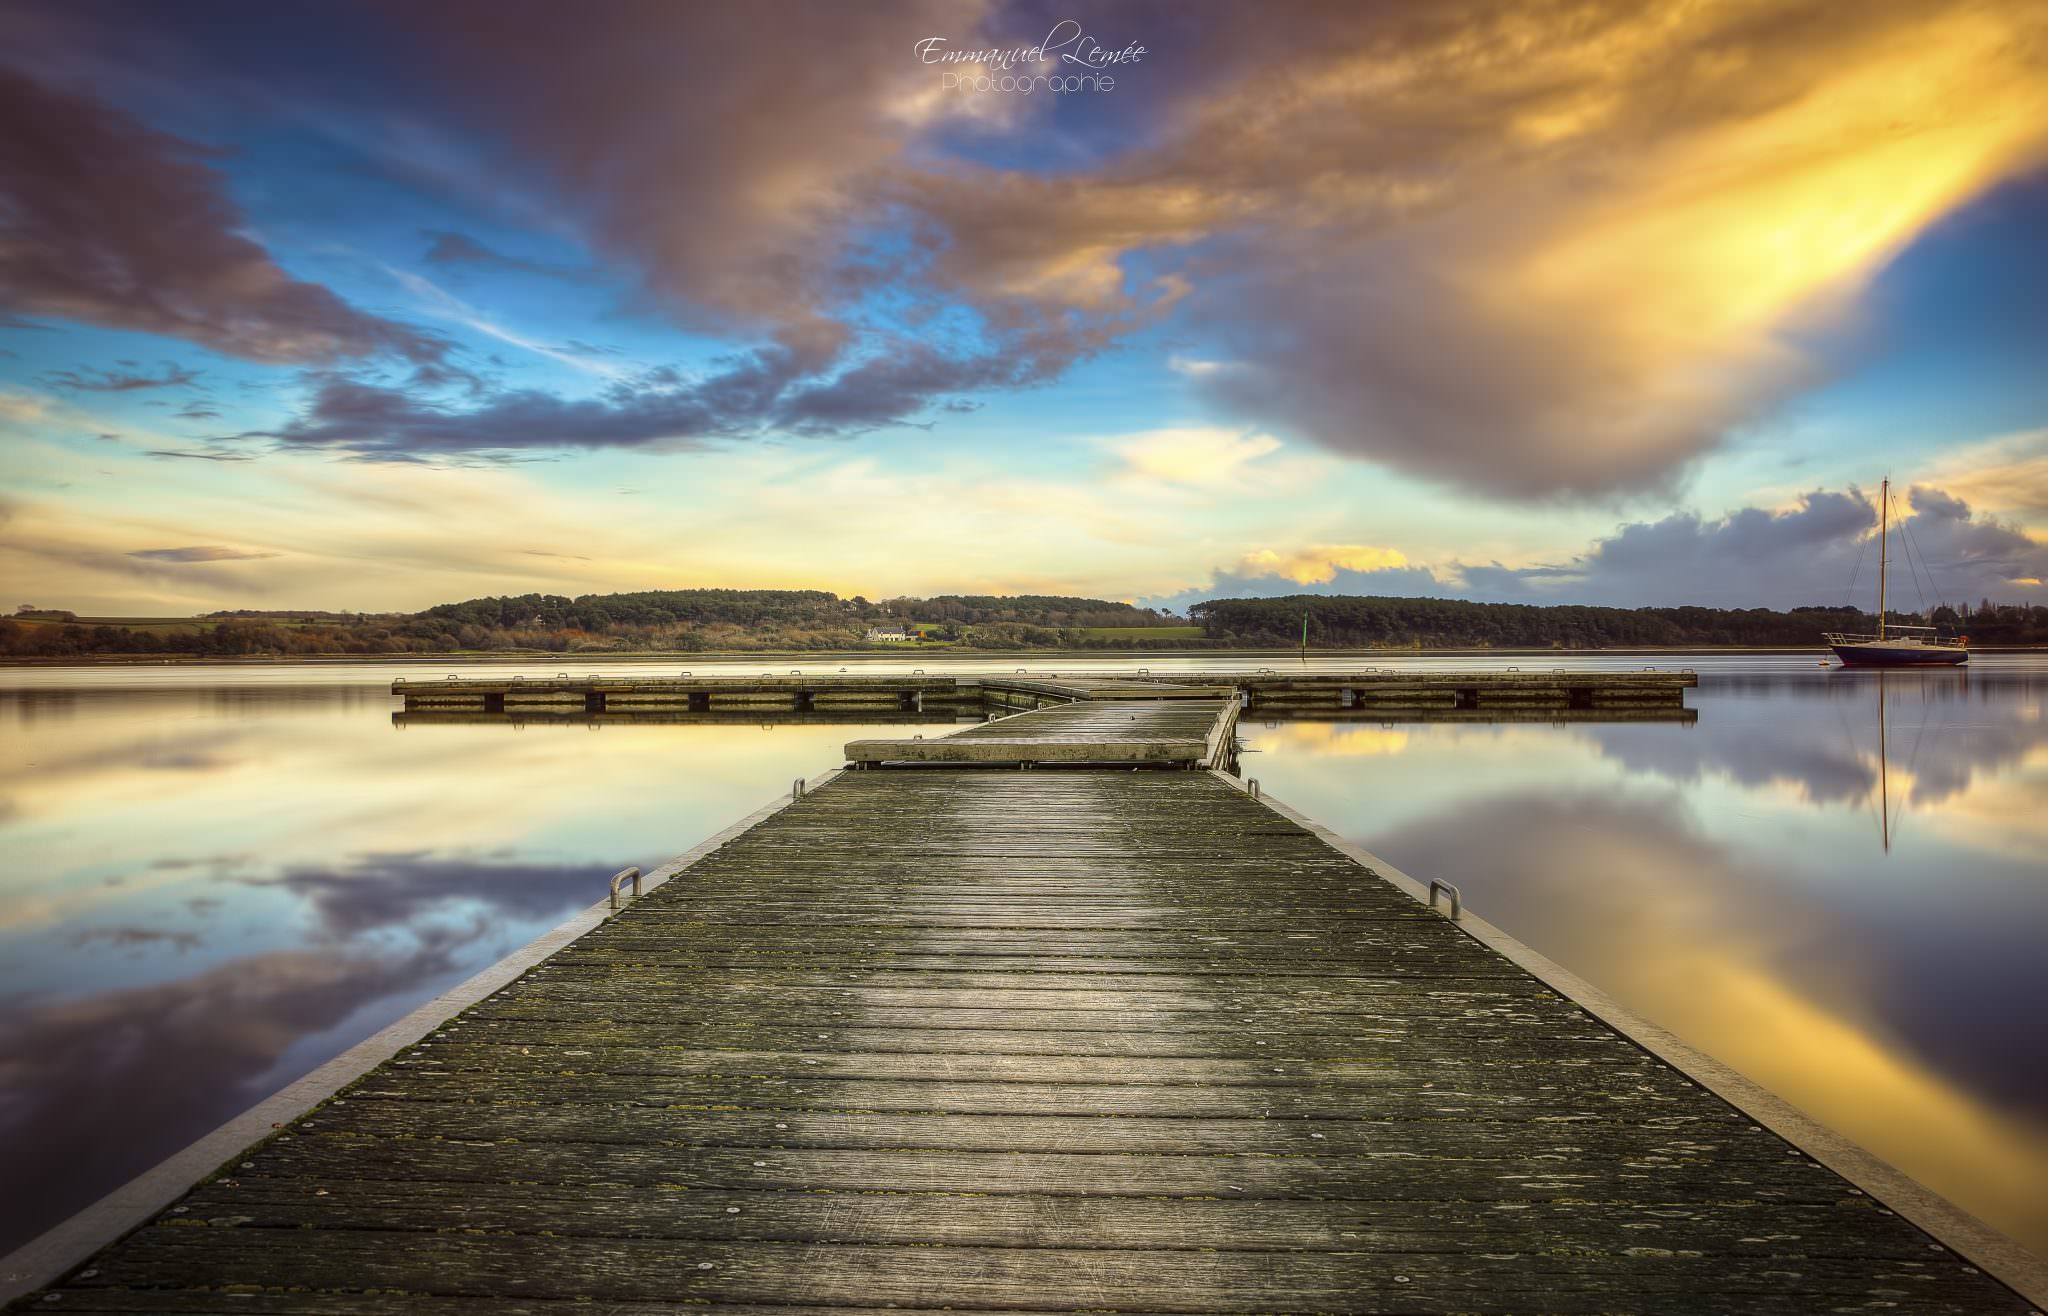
(1903,655)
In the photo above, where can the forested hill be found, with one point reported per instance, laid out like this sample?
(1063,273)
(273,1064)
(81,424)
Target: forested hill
(797,613)
(601,613)
(1029,609)
(1356,622)
(680,620)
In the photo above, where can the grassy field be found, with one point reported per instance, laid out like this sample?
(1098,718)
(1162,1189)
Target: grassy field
(1139,632)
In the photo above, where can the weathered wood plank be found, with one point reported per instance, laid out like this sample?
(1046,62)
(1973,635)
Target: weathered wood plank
(1680,1137)
(1725,1226)
(623,1269)
(826,1061)
(1565,1093)
(1472,1045)
(1656,1175)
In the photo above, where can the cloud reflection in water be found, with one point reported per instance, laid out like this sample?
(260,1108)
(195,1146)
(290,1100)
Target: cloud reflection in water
(217,888)
(1729,880)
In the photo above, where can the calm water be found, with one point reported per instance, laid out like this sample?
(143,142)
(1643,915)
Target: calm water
(216,878)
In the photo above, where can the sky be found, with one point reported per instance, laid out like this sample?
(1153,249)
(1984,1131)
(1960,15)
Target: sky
(375,306)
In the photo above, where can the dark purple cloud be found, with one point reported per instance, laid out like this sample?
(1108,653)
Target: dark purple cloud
(1737,557)
(683,139)
(85,379)
(795,384)
(1819,552)
(1395,582)
(1822,551)
(451,248)
(201,456)
(758,231)
(375,420)
(105,220)
(197,553)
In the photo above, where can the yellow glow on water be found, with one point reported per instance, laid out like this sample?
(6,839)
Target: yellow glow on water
(1333,739)
(126,796)
(1849,1076)
(1698,946)
(1737,893)
(2002,813)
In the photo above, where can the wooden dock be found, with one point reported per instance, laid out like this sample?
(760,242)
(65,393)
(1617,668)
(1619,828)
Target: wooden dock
(1266,691)
(1089,1040)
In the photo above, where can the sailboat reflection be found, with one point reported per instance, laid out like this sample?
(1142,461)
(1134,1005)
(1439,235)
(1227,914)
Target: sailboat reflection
(1884,767)
(1892,685)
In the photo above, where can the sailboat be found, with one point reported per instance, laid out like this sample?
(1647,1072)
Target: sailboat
(1896,646)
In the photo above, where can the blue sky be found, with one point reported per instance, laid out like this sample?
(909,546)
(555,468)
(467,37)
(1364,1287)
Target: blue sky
(372,308)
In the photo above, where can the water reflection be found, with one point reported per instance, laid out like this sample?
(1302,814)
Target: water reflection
(211,890)
(1835,885)
(218,880)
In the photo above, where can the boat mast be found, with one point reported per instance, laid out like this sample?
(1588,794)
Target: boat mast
(1884,508)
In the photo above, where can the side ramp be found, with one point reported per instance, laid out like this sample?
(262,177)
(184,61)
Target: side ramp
(1170,732)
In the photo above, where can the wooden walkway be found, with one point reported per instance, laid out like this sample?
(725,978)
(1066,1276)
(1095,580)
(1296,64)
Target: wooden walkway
(1167,730)
(1026,1042)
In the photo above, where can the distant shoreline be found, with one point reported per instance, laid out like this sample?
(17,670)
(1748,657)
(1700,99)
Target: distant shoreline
(896,655)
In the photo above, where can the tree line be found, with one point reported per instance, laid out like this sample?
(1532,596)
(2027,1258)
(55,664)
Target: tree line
(726,620)
(1358,622)
(674,621)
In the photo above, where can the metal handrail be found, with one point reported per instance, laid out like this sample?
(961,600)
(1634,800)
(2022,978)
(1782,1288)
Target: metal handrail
(1437,884)
(619,878)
